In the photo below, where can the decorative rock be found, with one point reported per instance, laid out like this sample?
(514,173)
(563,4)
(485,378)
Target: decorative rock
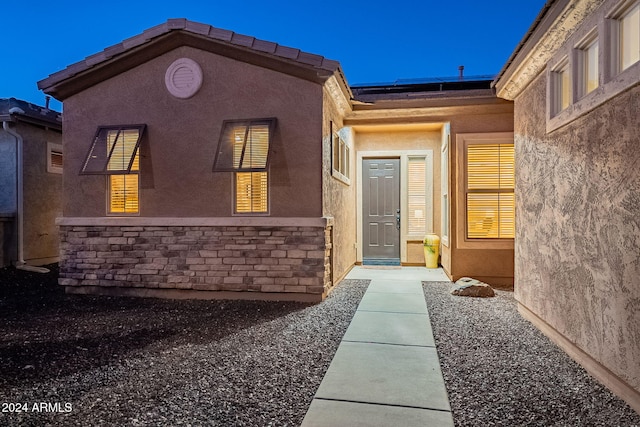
(468,287)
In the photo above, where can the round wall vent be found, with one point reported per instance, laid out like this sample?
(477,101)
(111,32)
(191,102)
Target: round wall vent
(183,78)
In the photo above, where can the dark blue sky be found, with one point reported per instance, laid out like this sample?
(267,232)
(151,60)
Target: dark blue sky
(375,41)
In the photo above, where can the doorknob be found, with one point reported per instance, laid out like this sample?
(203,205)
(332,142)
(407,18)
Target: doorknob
(398,219)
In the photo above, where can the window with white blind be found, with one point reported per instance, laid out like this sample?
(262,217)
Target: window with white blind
(416,196)
(490,182)
(243,148)
(115,152)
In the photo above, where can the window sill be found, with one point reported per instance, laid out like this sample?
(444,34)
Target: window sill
(340,177)
(497,244)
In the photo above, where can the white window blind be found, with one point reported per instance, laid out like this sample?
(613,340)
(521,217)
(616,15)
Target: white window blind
(251,192)
(123,194)
(113,149)
(416,195)
(490,191)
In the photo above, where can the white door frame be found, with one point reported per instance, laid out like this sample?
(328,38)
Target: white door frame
(404,156)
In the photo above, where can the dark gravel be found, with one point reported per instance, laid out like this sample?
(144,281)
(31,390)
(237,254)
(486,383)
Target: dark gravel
(135,362)
(499,370)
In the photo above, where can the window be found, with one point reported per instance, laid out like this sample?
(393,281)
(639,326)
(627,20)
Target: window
(490,191)
(627,38)
(54,158)
(561,87)
(114,152)
(251,192)
(341,156)
(588,69)
(416,196)
(244,149)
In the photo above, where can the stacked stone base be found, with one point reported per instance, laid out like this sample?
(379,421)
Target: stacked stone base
(255,262)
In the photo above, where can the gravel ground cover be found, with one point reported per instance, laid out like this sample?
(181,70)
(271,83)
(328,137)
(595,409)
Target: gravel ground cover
(499,370)
(125,361)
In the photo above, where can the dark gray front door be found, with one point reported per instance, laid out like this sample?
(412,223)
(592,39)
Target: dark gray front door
(380,211)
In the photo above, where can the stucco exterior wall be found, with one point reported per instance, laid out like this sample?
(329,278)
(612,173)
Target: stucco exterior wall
(494,266)
(42,195)
(338,198)
(178,151)
(578,228)
(42,191)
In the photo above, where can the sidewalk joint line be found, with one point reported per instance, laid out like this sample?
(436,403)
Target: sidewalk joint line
(381,404)
(389,343)
(395,312)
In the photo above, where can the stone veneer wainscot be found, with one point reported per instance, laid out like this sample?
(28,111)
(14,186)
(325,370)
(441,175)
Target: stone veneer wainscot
(245,258)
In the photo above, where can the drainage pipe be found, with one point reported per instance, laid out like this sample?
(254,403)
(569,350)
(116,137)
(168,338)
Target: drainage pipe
(20,263)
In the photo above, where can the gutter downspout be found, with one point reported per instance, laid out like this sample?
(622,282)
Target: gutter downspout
(20,263)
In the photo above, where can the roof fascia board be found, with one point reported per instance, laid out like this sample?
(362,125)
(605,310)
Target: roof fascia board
(416,115)
(430,99)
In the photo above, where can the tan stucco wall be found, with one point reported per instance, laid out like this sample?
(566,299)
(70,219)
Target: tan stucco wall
(578,233)
(494,266)
(339,199)
(182,134)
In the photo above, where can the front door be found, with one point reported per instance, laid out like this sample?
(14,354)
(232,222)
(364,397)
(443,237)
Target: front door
(381,211)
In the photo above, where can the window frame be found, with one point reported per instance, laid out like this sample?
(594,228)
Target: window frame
(220,155)
(612,81)
(341,153)
(560,87)
(109,178)
(615,18)
(221,146)
(51,149)
(463,140)
(234,185)
(582,61)
(445,204)
(105,168)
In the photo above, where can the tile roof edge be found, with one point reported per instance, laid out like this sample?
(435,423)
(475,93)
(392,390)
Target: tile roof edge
(193,27)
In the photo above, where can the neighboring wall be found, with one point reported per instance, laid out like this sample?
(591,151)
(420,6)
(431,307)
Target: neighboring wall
(8,244)
(42,195)
(578,227)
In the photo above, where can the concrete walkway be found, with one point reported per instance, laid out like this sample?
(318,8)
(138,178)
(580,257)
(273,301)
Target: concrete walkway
(386,370)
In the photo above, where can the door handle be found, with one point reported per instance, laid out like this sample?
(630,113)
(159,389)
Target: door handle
(398,219)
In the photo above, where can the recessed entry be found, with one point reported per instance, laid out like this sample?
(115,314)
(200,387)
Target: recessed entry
(183,78)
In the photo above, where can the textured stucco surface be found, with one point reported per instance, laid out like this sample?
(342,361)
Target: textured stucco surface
(178,151)
(493,266)
(338,198)
(578,226)
(42,194)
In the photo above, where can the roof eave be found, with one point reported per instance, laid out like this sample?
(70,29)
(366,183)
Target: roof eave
(161,39)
